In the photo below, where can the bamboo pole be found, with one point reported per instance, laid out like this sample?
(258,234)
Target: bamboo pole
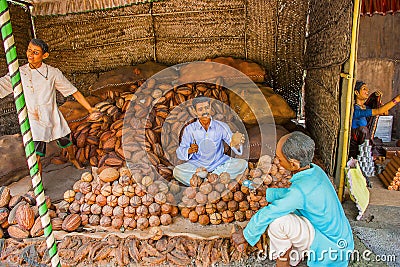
(13,68)
(349,96)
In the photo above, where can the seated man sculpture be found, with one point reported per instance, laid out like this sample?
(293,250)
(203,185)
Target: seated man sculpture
(202,145)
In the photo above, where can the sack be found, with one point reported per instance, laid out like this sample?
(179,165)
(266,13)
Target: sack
(262,145)
(73,111)
(280,109)
(218,73)
(122,78)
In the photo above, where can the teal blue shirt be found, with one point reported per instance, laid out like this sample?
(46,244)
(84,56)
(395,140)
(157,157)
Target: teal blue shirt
(311,195)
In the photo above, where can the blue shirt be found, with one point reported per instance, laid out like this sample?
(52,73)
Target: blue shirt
(311,195)
(360,116)
(211,148)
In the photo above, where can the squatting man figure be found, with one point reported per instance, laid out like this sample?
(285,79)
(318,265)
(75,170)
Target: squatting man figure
(306,218)
(40,82)
(202,145)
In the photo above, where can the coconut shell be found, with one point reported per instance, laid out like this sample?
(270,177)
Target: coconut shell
(106,190)
(142,211)
(166,219)
(90,198)
(14,200)
(129,191)
(205,188)
(193,216)
(56,224)
(227,195)
(129,211)
(135,201)
(101,200)
(25,217)
(95,209)
(85,208)
(215,218)
(84,219)
(94,220)
(118,212)
(71,222)
(244,205)
(85,188)
(5,196)
(112,201)
(105,221)
(154,221)
(4,212)
(77,185)
(107,211)
(201,209)
(227,216)
(129,223)
(214,197)
(15,231)
(30,198)
(155,209)
(117,190)
(74,207)
(190,192)
(109,175)
(238,196)
(86,177)
(204,219)
(185,212)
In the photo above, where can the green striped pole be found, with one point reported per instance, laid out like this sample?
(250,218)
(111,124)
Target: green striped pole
(13,68)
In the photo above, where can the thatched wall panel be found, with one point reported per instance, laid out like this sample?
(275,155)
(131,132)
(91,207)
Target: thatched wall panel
(184,50)
(290,42)
(82,34)
(195,6)
(261,34)
(104,58)
(328,43)
(22,34)
(323,111)
(204,24)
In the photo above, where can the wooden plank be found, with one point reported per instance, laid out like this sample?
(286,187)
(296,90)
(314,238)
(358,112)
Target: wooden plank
(383,179)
